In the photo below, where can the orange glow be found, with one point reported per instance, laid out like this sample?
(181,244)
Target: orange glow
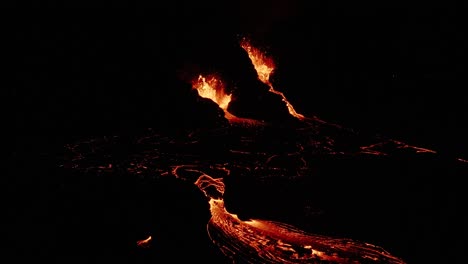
(145,243)
(379,148)
(403,145)
(262,64)
(262,241)
(264,67)
(212,88)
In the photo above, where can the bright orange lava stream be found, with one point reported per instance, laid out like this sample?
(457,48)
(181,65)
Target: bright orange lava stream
(265,67)
(261,241)
(145,243)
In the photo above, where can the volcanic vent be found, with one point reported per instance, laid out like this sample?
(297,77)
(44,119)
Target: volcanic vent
(245,92)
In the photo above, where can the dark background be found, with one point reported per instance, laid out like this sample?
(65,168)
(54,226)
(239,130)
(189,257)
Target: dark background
(394,70)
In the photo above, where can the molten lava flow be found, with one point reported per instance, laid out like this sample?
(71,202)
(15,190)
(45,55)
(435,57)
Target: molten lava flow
(212,88)
(145,243)
(260,241)
(264,67)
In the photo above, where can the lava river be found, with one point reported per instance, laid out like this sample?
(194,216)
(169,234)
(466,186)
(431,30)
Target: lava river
(260,241)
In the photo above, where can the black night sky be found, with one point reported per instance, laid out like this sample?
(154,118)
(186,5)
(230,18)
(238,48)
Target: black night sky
(393,70)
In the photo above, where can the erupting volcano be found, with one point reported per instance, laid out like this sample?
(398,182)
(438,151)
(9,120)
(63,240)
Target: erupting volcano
(251,155)
(234,132)
(212,87)
(224,163)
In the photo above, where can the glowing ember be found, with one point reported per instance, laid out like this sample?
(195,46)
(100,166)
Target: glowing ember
(212,88)
(265,67)
(145,243)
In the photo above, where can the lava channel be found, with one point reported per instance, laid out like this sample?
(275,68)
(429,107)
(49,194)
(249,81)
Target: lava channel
(260,241)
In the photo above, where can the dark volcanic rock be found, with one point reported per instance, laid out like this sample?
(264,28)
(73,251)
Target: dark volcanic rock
(256,102)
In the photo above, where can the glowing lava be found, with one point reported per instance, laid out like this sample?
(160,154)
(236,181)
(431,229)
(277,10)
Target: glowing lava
(260,241)
(265,67)
(255,240)
(144,243)
(379,148)
(212,88)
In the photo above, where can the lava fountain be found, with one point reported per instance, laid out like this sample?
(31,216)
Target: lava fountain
(264,66)
(212,88)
